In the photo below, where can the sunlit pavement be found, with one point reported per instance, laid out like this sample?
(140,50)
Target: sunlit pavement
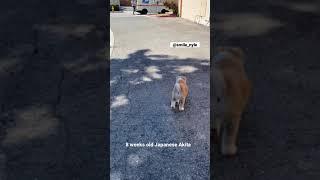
(143,72)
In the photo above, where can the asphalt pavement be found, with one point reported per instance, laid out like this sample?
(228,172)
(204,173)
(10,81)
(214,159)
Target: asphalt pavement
(279,134)
(53,90)
(143,71)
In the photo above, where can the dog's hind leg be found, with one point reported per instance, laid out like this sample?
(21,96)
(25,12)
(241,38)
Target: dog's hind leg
(181,104)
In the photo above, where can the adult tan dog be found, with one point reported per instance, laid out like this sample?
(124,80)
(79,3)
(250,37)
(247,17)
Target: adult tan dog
(231,90)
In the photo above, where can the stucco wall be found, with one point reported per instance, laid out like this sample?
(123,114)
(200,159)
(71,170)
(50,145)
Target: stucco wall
(197,11)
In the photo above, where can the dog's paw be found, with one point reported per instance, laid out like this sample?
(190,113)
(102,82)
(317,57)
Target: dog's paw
(172,105)
(181,108)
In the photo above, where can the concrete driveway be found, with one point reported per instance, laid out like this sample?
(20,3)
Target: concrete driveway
(143,71)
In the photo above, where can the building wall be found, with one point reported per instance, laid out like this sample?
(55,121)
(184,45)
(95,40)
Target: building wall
(114,2)
(125,2)
(197,11)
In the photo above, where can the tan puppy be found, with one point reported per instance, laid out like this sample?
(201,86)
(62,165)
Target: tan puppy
(179,93)
(231,90)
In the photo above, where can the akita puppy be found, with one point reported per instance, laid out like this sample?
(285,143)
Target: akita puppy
(179,93)
(231,90)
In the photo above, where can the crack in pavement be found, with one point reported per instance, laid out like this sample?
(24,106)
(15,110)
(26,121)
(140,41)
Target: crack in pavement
(64,123)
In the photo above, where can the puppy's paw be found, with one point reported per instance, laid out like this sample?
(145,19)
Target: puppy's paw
(181,108)
(173,105)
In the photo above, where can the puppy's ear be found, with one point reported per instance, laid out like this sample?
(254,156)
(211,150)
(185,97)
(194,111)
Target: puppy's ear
(237,52)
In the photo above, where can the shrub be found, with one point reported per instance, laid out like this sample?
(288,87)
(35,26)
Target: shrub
(116,7)
(173,6)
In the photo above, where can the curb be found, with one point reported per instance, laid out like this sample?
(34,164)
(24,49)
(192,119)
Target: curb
(111,42)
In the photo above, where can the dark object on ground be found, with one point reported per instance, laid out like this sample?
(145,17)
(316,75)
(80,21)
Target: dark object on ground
(144,11)
(164,11)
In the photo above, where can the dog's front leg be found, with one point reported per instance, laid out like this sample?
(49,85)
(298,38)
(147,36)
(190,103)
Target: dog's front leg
(181,104)
(229,136)
(173,102)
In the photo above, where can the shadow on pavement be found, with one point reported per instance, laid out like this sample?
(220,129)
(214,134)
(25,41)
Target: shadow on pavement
(279,135)
(52,95)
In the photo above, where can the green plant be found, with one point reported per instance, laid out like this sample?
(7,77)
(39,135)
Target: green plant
(116,7)
(174,7)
